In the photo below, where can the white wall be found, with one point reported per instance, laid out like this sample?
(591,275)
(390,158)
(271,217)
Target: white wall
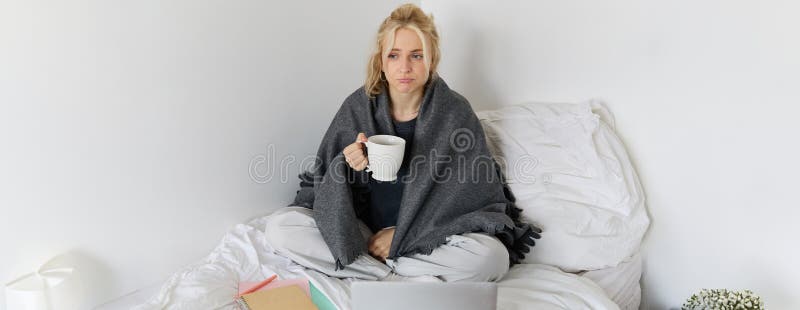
(127,127)
(705,96)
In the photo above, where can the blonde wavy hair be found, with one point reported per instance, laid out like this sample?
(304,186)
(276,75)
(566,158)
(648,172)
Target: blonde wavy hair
(411,17)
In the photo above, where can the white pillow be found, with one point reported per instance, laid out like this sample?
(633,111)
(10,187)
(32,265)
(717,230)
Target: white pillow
(571,175)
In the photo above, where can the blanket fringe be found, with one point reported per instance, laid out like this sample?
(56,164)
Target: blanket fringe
(427,249)
(342,262)
(435,242)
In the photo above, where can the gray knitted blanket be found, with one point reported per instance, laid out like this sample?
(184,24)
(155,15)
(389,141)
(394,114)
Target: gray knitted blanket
(454,186)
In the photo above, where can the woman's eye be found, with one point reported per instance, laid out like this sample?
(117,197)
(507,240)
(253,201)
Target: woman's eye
(418,56)
(391,56)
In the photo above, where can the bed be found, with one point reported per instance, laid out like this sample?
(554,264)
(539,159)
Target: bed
(569,172)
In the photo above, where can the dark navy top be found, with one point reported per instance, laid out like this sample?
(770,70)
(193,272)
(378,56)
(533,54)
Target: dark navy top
(385,197)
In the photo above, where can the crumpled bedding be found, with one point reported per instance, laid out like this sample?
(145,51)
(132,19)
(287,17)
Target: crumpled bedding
(244,255)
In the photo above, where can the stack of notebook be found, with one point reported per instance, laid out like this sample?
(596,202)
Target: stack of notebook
(297,294)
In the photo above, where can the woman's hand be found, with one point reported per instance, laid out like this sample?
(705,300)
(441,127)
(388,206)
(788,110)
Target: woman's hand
(381,243)
(354,153)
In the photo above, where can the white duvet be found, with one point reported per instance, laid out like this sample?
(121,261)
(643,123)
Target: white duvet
(244,255)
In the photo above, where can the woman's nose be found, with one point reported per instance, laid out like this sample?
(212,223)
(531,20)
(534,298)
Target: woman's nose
(405,66)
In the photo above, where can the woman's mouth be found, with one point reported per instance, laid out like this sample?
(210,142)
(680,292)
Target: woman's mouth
(405,81)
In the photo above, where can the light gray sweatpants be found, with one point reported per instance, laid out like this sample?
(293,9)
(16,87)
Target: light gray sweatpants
(293,233)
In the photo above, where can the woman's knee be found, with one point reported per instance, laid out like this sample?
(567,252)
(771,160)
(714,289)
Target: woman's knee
(490,262)
(287,224)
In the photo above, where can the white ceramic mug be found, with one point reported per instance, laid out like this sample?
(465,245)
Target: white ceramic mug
(385,155)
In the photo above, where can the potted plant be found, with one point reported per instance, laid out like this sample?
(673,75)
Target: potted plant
(723,299)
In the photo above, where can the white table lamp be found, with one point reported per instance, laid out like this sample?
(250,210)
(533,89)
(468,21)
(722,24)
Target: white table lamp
(55,286)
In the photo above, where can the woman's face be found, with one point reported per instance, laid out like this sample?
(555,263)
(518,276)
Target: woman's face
(404,65)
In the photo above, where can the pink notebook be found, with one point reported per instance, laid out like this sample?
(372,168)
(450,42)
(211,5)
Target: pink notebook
(302,283)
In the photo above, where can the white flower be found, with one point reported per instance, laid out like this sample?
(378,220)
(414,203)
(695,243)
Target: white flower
(723,299)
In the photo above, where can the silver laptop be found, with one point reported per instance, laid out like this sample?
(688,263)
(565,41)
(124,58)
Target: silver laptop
(372,295)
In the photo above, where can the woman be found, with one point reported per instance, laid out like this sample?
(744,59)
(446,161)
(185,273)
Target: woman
(448,216)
